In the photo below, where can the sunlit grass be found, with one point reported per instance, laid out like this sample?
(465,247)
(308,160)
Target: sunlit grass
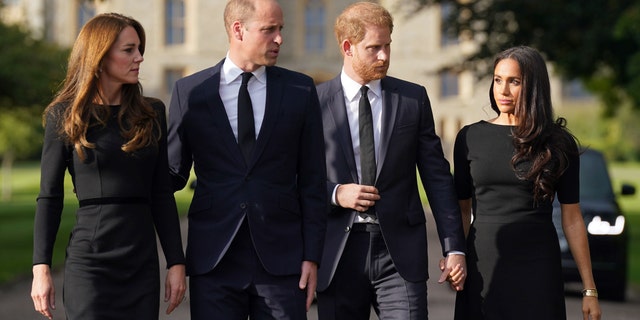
(16,221)
(629,173)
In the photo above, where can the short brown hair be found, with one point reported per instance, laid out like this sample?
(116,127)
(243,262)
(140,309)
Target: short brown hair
(351,23)
(237,10)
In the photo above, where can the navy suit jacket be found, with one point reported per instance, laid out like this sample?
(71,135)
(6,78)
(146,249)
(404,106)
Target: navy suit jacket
(407,140)
(281,191)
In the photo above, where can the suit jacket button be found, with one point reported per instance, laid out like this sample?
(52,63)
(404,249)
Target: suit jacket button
(347,229)
(243,206)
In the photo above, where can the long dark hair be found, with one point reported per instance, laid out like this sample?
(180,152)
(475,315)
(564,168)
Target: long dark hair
(541,141)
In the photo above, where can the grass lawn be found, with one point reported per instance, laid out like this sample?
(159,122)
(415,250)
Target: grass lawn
(16,220)
(630,173)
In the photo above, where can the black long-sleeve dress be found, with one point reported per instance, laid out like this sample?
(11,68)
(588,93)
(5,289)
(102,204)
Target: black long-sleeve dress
(111,268)
(513,259)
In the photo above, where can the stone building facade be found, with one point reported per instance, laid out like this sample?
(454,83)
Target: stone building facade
(184,36)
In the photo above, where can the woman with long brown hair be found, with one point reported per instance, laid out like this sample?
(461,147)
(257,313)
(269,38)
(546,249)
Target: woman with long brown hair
(112,140)
(508,171)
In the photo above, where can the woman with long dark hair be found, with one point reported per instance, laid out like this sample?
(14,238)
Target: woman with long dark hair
(508,171)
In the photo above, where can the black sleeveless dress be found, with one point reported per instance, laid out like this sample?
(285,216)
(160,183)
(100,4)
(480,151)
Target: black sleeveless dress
(514,268)
(111,268)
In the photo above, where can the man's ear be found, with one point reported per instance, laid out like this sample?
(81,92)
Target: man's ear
(237,30)
(346,48)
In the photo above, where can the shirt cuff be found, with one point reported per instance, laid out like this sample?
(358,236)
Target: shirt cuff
(455,252)
(334,194)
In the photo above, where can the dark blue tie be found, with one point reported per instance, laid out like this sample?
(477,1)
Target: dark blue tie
(246,126)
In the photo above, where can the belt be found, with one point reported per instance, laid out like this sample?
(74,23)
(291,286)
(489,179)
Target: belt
(365,227)
(113,200)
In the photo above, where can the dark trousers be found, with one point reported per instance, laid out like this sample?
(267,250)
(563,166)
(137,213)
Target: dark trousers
(366,277)
(239,288)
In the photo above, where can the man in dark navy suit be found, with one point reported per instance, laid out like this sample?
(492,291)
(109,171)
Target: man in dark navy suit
(377,130)
(253,132)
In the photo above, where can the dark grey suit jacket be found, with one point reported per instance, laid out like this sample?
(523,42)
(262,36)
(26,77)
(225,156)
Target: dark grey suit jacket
(408,140)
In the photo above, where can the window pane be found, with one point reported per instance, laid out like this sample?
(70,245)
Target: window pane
(448,84)
(446,38)
(174,22)
(314,20)
(86,11)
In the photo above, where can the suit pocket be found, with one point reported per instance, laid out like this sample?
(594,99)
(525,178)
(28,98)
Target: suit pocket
(406,123)
(406,128)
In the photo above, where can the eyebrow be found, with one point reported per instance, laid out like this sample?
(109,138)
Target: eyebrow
(272,26)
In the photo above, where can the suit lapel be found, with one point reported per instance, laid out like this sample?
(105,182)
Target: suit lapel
(273,105)
(341,121)
(219,117)
(390,103)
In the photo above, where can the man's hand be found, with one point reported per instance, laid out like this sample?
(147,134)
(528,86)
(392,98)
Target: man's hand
(454,270)
(356,196)
(309,280)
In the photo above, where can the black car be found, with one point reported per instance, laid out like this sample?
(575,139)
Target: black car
(606,226)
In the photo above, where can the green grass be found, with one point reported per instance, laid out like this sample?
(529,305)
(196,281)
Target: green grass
(16,222)
(630,173)
(634,248)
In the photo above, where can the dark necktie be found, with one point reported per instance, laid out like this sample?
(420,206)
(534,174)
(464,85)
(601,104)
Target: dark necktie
(367,149)
(246,127)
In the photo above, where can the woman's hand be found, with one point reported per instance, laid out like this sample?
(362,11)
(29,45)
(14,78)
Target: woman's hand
(591,308)
(175,286)
(43,293)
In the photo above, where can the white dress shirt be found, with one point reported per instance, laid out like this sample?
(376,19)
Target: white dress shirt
(351,91)
(230,81)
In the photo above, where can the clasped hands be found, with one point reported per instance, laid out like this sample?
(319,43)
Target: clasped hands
(454,271)
(360,198)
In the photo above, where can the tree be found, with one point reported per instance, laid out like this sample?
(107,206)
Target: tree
(596,41)
(20,135)
(30,69)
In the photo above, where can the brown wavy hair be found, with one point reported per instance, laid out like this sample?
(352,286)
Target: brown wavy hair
(541,142)
(80,89)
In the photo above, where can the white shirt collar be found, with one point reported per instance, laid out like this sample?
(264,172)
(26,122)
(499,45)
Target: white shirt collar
(231,72)
(352,88)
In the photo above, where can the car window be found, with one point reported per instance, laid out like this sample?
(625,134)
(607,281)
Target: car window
(594,177)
